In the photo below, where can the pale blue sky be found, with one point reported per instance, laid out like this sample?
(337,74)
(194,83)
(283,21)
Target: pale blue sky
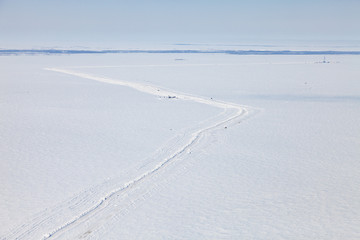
(83,21)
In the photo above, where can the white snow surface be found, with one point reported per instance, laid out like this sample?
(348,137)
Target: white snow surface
(147,146)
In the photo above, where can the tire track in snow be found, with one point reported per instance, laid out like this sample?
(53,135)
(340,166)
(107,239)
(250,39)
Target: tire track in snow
(149,89)
(153,90)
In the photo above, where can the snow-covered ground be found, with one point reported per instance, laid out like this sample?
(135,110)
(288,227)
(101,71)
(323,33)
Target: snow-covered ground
(179,146)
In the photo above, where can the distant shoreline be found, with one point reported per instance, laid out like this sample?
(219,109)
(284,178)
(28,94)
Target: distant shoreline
(233,52)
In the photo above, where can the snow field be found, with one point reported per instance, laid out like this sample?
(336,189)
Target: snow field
(290,171)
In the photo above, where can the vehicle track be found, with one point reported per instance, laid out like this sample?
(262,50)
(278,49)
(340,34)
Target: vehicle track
(231,113)
(157,91)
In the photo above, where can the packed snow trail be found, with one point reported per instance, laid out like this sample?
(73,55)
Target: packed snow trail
(231,111)
(153,90)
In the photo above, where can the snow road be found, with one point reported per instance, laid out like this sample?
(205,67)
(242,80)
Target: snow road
(231,114)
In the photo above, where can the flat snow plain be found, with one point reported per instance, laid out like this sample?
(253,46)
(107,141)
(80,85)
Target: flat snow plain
(251,147)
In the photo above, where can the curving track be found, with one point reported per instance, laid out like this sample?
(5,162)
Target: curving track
(231,114)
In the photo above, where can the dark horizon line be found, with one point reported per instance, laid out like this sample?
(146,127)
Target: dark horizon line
(234,52)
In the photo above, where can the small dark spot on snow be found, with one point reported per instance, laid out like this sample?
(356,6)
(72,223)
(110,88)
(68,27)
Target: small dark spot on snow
(85,235)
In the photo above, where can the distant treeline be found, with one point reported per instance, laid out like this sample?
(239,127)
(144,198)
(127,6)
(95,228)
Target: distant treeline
(236,52)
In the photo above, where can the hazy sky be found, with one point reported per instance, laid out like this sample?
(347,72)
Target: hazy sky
(82,21)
